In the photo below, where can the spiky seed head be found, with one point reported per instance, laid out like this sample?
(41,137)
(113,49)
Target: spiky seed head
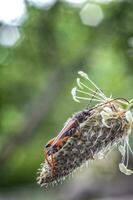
(108,124)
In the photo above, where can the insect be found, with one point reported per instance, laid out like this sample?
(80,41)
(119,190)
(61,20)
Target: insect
(89,134)
(68,130)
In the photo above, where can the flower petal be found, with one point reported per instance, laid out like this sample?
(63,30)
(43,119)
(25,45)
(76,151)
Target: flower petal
(124,169)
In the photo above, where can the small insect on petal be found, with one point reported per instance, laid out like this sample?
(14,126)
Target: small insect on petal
(74,94)
(124,169)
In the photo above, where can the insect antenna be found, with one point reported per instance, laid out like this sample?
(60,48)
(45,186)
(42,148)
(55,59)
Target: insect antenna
(91,100)
(122,100)
(100,93)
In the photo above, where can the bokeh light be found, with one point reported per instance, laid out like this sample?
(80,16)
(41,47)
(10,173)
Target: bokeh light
(12,12)
(46,4)
(130,41)
(91,14)
(76,3)
(9,35)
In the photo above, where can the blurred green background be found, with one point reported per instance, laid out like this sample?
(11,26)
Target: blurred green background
(40,55)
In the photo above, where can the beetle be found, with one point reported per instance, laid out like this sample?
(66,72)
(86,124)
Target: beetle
(68,130)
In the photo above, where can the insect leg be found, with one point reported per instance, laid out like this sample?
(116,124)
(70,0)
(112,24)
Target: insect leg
(47,159)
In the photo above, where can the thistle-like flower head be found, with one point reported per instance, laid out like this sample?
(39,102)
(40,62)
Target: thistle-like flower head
(121,106)
(89,134)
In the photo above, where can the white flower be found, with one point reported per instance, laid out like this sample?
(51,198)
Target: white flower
(124,169)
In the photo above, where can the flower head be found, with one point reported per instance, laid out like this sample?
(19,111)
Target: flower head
(89,134)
